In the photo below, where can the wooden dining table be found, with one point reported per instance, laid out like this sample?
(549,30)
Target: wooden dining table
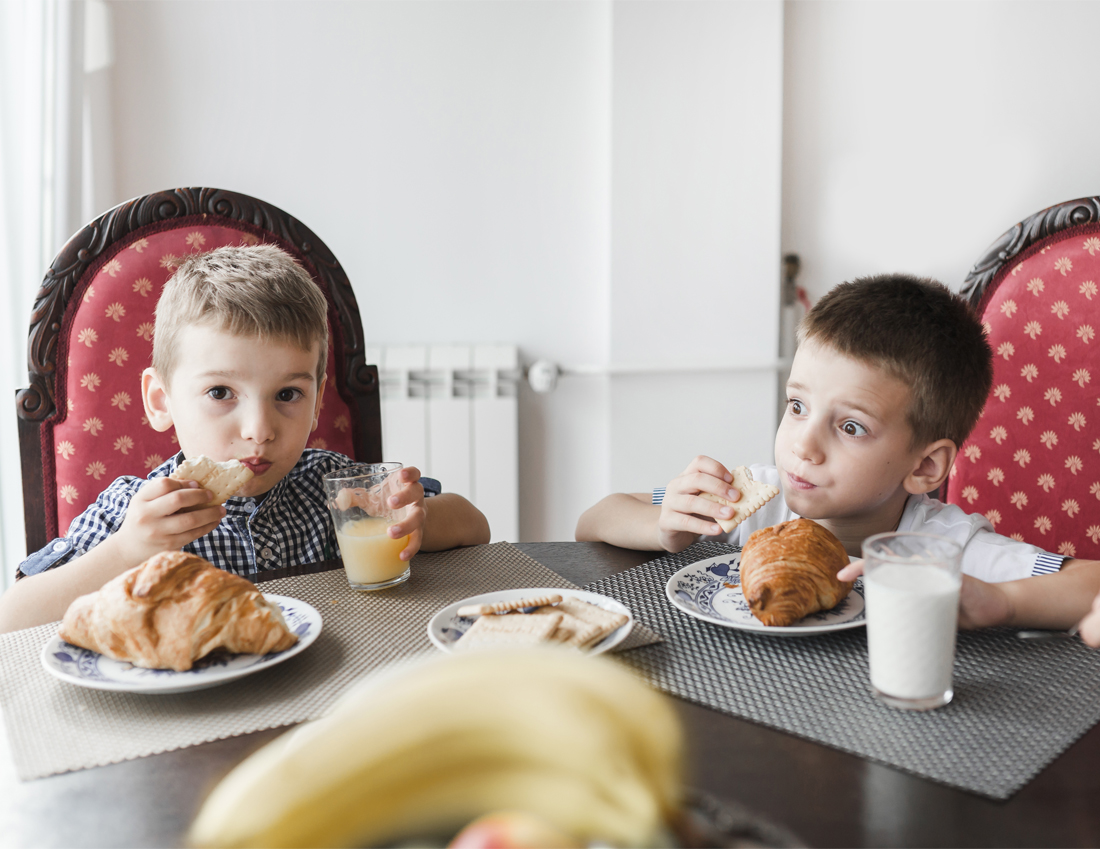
(809,793)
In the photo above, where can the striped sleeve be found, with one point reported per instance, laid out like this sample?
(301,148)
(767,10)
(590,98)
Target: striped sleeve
(1047,564)
(658,495)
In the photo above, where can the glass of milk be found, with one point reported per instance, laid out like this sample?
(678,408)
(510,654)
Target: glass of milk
(911,587)
(358,499)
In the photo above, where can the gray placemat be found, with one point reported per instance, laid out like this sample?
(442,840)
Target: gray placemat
(54,726)
(1017,705)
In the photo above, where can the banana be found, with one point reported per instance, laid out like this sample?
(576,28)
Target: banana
(421,748)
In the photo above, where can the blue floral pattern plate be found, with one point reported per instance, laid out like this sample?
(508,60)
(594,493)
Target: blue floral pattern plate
(711,590)
(447,627)
(87,668)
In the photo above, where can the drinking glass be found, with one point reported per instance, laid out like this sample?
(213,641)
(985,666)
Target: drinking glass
(911,584)
(358,499)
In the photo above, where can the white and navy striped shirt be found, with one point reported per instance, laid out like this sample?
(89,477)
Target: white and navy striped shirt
(287,526)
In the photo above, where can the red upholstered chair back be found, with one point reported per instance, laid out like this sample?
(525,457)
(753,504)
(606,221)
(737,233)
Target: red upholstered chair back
(81,420)
(1032,464)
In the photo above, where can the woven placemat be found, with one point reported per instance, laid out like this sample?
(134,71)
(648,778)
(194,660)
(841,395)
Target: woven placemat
(56,727)
(1017,705)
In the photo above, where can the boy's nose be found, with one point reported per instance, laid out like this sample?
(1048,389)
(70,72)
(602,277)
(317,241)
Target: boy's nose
(807,446)
(257,424)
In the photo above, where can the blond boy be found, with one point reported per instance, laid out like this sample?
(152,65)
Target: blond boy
(239,353)
(890,376)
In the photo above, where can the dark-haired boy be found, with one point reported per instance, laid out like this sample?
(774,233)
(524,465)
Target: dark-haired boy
(890,376)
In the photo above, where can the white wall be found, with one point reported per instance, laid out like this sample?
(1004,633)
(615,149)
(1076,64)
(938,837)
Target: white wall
(696,142)
(454,156)
(458,159)
(916,133)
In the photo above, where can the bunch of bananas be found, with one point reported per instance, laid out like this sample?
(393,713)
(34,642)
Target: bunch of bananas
(422,748)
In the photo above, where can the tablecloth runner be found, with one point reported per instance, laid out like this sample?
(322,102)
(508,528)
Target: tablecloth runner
(57,727)
(1017,704)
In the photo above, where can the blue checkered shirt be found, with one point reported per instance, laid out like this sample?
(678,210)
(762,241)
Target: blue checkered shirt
(290,525)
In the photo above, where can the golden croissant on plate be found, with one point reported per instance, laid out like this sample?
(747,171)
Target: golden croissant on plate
(172,610)
(788,571)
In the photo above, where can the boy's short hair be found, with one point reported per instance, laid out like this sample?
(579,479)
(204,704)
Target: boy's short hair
(249,290)
(921,333)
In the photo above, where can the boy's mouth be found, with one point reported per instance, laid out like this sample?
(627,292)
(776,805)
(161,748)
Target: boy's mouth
(798,483)
(257,465)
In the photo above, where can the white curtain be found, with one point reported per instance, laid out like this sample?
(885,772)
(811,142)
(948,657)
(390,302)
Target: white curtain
(48,186)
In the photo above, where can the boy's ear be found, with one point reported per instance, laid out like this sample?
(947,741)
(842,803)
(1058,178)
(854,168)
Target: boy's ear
(317,403)
(933,468)
(154,395)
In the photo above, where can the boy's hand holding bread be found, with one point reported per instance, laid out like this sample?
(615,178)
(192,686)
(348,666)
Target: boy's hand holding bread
(708,490)
(168,513)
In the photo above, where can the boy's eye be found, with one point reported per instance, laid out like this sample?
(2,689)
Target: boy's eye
(218,393)
(795,406)
(853,428)
(289,394)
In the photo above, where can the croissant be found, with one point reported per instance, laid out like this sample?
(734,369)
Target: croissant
(789,571)
(172,610)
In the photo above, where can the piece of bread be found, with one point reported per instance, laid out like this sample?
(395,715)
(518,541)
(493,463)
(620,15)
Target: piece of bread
(754,495)
(788,571)
(222,479)
(172,610)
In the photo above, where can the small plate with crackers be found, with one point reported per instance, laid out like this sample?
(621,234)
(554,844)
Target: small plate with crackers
(589,622)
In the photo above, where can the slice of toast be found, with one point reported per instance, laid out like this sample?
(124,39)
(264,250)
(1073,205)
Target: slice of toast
(754,495)
(222,479)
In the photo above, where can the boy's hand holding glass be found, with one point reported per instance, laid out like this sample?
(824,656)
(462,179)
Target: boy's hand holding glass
(378,513)
(684,514)
(165,514)
(409,494)
(981,604)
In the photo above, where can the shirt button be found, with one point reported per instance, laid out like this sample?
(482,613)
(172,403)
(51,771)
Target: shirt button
(249,506)
(60,546)
(267,554)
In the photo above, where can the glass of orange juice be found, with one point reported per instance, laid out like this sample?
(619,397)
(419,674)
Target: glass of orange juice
(358,499)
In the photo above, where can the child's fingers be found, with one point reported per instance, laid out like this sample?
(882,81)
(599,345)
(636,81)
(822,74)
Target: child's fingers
(697,505)
(160,487)
(165,496)
(192,521)
(410,550)
(709,466)
(673,521)
(701,482)
(413,522)
(409,494)
(409,474)
(850,572)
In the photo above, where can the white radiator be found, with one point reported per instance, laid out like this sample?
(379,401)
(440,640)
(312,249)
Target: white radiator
(451,411)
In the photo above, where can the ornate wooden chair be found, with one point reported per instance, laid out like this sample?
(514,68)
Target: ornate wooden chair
(81,422)
(1032,464)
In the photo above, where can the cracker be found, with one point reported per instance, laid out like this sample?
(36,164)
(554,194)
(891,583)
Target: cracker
(514,629)
(505,606)
(583,624)
(222,479)
(754,495)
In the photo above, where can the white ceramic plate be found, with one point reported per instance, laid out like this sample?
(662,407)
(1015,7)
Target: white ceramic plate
(701,590)
(447,627)
(87,668)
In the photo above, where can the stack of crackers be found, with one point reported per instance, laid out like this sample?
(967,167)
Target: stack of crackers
(546,619)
